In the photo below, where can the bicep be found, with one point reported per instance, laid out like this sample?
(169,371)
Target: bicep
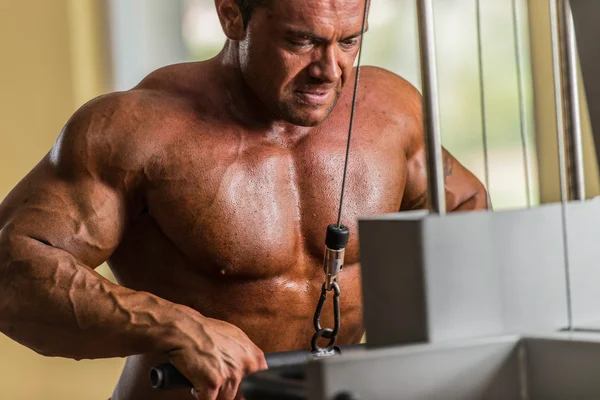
(76,213)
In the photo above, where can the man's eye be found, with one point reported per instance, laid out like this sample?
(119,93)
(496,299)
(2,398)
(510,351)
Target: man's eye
(349,42)
(299,44)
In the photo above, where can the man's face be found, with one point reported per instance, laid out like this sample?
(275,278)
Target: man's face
(298,55)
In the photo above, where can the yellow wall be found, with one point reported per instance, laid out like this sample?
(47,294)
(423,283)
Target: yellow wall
(52,60)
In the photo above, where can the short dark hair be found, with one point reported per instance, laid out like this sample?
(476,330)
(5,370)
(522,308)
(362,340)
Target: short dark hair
(247,8)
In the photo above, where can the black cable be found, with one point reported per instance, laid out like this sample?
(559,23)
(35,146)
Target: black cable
(364,25)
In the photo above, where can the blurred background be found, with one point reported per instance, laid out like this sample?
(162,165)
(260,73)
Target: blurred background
(58,54)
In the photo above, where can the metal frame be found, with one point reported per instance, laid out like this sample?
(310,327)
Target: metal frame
(556,366)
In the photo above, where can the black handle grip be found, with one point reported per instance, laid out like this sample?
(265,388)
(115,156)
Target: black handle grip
(166,376)
(257,386)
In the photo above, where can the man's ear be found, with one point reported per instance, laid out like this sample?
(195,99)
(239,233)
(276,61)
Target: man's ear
(231,19)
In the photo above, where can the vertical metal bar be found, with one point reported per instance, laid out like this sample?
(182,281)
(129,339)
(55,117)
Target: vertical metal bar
(521,90)
(431,113)
(557,30)
(575,136)
(559,91)
(486,158)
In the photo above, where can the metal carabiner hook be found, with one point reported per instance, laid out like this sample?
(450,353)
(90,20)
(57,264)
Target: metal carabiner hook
(327,333)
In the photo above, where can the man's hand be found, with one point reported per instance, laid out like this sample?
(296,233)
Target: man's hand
(215,356)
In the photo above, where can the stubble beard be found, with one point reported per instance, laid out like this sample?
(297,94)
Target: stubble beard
(291,111)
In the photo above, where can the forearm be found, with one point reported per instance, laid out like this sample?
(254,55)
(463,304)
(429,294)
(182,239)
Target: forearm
(57,306)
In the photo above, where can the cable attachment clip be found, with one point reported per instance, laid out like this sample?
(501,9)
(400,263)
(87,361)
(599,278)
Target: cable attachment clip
(335,242)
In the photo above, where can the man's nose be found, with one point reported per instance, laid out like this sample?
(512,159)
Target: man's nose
(325,66)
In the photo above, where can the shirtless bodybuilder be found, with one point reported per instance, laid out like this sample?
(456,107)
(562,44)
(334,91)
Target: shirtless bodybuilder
(208,189)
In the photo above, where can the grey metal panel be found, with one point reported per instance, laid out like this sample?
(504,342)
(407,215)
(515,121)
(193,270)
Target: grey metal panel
(392,279)
(485,274)
(563,369)
(463,285)
(587,32)
(475,370)
(530,253)
(583,229)
(479,263)
(560,365)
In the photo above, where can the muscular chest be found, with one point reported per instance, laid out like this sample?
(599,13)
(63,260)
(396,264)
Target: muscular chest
(251,208)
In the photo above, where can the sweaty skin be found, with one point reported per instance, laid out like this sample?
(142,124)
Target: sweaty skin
(210,211)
